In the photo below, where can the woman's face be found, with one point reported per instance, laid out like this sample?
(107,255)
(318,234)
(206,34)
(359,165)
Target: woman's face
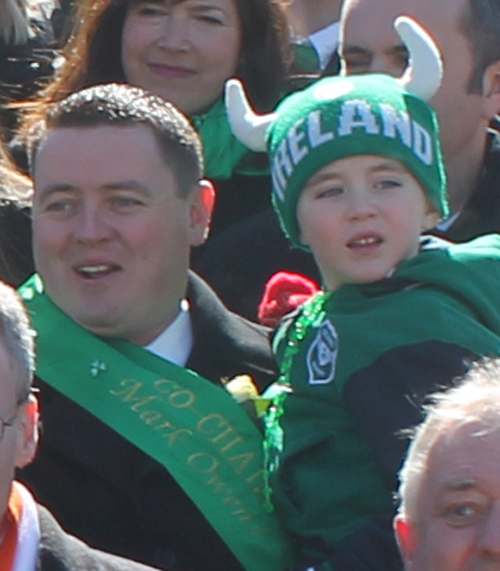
(183,52)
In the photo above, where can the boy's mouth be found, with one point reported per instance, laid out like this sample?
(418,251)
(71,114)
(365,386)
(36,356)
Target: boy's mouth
(365,241)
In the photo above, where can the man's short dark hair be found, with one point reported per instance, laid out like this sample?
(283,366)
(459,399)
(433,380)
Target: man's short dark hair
(120,105)
(480,23)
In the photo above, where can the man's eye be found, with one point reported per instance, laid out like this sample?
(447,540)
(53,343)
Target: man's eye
(353,65)
(461,514)
(402,60)
(58,206)
(125,202)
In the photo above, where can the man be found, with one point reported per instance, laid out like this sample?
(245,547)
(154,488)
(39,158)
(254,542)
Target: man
(449,517)
(468,35)
(156,460)
(315,30)
(30,537)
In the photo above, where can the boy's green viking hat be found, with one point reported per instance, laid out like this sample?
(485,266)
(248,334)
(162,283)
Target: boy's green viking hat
(339,117)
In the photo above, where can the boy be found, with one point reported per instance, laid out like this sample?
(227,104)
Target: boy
(358,176)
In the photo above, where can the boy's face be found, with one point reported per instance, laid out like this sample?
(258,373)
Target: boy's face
(361,216)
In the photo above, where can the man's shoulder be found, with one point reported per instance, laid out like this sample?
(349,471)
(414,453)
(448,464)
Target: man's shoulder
(60,551)
(226,344)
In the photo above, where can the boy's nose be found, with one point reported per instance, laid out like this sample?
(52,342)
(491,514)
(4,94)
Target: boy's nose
(361,205)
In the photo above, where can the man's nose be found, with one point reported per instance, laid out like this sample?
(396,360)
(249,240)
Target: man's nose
(92,225)
(489,536)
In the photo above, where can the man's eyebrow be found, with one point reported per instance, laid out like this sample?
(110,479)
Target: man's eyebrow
(55,187)
(460,485)
(353,50)
(127,185)
(400,48)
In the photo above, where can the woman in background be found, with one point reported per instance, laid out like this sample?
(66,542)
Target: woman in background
(184,50)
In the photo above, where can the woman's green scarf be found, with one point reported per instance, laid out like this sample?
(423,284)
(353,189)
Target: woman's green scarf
(223,153)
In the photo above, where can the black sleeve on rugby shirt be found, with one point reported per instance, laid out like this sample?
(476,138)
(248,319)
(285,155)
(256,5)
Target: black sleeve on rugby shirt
(386,398)
(372,547)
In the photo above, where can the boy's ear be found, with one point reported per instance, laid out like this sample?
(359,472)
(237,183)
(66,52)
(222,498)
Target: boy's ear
(431,219)
(407,540)
(491,90)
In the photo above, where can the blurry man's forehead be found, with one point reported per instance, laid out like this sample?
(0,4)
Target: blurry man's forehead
(379,15)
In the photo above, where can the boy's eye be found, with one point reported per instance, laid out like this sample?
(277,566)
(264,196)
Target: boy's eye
(331,191)
(356,64)
(387,183)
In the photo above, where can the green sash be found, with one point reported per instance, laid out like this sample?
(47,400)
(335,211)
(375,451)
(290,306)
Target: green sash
(186,423)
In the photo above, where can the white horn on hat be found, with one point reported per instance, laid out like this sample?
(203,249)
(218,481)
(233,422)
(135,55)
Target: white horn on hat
(247,126)
(425,70)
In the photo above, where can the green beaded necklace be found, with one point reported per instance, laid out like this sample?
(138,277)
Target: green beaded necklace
(273,441)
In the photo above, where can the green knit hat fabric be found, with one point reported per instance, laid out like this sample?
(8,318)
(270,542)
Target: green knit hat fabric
(340,117)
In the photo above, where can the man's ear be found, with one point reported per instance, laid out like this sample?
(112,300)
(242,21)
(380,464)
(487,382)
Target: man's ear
(407,540)
(491,90)
(201,207)
(28,437)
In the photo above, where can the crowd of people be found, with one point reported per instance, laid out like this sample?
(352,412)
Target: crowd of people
(256,248)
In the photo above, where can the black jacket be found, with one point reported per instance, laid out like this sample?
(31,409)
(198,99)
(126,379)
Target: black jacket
(60,551)
(481,214)
(115,497)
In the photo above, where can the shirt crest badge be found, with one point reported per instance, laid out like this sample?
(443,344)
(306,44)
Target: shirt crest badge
(322,355)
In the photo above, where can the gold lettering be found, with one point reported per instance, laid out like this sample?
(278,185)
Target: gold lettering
(166,386)
(203,462)
(136,385)
(219,486)
(150,416)
(164,424)
(172,437)
(182,399)
(129,394)
(236,439)
(205,420)
(259,476)
(140,402)
(242,461)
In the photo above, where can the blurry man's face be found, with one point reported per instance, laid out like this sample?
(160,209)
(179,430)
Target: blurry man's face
(458,524)
(18,442)
(369,44)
